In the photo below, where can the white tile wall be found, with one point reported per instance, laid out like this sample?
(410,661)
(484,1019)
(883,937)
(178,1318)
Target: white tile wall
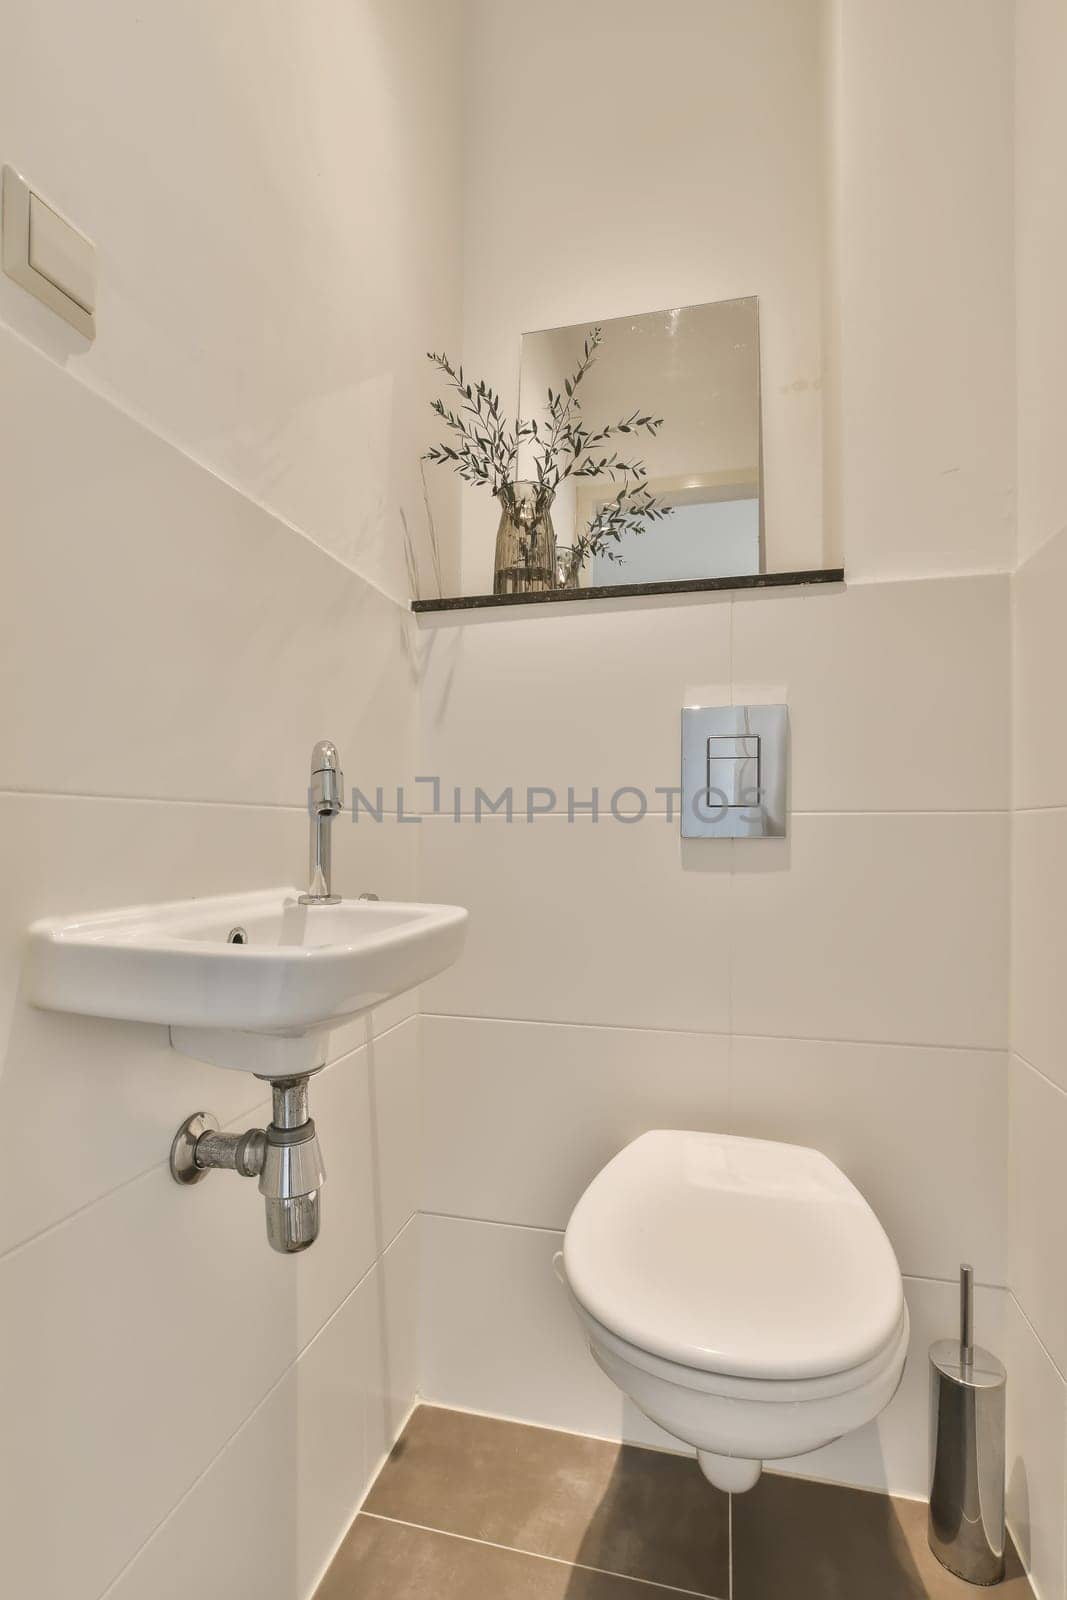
(1039,939)
(1040,265)
(147,1332)
(172,652)
(845,987)
(1037,1497)
(363,1105)
(617,923)
(1039,1205)
(499,1334)
(393,1085)
(267,1512)
(1039,595)
(214,1311)
(694,95)
(1036,1456)
(248,307)
(918,722)
(1037,1398)
(881,927)
(395,1310)
(925,462)
(519,1117)
(554,700)
(191,640)
(920,1132)
(897,693)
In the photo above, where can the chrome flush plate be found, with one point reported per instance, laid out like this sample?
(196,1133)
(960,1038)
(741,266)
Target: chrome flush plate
(734,772)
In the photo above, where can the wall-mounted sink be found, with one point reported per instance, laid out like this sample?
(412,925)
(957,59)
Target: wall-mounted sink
(254,982)
(250,981)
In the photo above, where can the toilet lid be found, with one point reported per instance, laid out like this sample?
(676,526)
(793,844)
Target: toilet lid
(734,1255)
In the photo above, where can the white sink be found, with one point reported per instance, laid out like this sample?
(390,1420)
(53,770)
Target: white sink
(264,1006)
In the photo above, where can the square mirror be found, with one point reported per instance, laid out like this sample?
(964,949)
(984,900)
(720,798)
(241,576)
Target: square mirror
(695,371)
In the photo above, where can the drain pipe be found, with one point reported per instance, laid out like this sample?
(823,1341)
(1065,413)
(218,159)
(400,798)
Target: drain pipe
(285,1157)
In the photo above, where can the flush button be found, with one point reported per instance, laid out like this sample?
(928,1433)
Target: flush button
(733,769)
(734,764)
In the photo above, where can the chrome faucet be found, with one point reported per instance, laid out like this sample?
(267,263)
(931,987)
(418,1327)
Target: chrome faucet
(326,797)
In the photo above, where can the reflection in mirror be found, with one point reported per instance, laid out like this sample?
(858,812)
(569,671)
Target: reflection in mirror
(696,370)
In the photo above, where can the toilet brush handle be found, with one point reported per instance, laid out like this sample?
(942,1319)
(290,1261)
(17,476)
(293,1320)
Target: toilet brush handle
(966,1316)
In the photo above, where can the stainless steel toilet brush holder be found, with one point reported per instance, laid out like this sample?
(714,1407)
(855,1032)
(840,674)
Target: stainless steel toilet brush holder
(967,1387)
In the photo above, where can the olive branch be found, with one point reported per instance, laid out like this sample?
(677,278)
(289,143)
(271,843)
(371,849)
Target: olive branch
(485,447)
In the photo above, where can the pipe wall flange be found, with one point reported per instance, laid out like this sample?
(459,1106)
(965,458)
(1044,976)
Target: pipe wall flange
(183,1167)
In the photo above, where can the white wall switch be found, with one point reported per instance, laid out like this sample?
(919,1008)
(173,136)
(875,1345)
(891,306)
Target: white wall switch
(46,255)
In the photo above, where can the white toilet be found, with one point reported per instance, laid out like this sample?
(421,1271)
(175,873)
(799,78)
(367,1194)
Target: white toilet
(742,1293)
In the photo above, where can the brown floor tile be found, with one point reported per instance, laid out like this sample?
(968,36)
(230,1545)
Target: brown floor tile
(382,1560)
(817,1541)
(640,1513)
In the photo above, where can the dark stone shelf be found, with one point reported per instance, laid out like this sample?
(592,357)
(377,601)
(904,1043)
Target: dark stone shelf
(625,591)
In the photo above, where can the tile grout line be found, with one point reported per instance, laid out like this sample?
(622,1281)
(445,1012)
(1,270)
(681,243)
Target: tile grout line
(1049,1357)
(726,1033)
(1058,1087)
(632,819)
(551,1427)
(150,799)
(606,1027)
(1017,1303)
(416,818)
(535,1555)
(96,1200)
(358,1510)
(172,441)
(243,1424)
(924,1277)
(559,1230)
(495,1222)
(164,1161)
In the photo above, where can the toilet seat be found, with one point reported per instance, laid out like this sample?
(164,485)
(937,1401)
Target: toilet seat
(736,1424)
(739,1257)
(742,1293)
(772,1391)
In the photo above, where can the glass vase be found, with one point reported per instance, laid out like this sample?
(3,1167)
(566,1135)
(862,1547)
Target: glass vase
(525,560)
(568,567)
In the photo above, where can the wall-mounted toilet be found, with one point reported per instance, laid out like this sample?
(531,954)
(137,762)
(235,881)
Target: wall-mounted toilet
(742,1293)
